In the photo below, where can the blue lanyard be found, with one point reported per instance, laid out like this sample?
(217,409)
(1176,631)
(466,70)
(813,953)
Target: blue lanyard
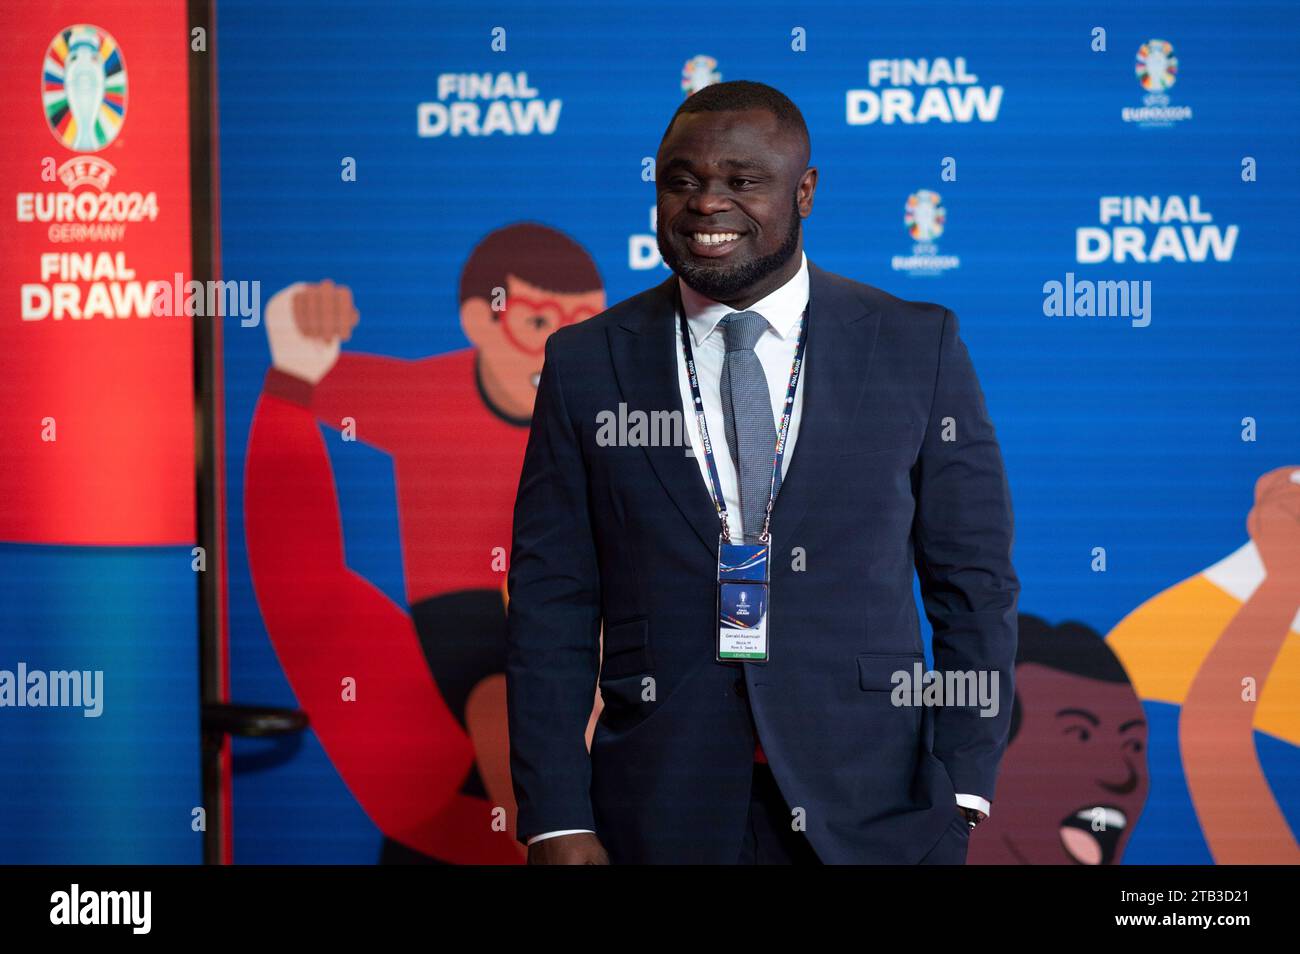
(719,500)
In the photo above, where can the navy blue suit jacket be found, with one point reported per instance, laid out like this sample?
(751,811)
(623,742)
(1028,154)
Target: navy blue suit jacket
(896,467)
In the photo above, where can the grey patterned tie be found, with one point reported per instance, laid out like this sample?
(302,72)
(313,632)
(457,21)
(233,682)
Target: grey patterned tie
(747,413)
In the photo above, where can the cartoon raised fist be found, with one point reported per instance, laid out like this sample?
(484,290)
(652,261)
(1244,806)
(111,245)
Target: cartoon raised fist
(305,324)
(1274,522)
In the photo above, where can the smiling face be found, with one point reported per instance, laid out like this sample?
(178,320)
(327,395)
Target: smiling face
(733,189)
(1074,778)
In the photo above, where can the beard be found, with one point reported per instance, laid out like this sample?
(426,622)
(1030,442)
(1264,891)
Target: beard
(721,282)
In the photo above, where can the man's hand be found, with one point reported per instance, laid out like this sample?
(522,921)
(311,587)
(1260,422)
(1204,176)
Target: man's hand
(583,848)
(305,324)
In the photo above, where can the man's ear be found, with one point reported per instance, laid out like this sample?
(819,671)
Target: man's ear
(477,319)
(809,183)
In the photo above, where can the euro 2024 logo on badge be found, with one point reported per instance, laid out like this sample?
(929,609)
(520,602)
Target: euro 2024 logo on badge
(925,218)
(1156,69)
(83,88)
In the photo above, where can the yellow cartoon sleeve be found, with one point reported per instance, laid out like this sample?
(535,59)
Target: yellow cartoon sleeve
(1163,641)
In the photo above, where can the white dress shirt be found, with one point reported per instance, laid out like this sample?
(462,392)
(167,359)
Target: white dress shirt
(775,350)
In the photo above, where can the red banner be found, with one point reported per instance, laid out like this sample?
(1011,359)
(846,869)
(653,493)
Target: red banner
(95,364)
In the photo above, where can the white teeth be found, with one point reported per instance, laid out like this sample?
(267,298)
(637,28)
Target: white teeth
(705,238)
(1111,818)
(537,379)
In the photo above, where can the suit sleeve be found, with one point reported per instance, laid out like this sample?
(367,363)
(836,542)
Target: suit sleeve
(963,532)
(554,622)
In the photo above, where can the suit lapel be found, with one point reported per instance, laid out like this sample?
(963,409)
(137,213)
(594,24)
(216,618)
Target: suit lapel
(643,348)
(841,338)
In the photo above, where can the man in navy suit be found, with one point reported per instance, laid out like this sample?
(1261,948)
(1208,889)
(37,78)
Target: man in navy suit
(847,446)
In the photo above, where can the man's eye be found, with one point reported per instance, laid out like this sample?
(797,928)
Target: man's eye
(742,183)
(538,321)
(1083,734)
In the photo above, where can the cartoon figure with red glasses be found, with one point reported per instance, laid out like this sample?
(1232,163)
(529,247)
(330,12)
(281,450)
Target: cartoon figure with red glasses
(409,702)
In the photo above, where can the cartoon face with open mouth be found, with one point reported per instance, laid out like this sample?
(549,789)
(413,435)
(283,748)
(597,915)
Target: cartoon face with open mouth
(1074,778)
(1091,836)
(1093,742)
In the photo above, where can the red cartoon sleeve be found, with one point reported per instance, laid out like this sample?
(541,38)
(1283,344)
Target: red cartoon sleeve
(375,392)
(395,744)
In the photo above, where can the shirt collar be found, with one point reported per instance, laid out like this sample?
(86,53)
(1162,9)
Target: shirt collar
(782,308)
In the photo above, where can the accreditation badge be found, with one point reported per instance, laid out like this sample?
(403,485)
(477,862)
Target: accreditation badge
(743,588)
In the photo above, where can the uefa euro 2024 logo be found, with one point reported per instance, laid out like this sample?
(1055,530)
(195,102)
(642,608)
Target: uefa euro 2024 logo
(83,88)
(1157,67)
(924,216)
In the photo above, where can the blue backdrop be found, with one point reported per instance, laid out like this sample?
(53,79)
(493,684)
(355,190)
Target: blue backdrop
(1114,435)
